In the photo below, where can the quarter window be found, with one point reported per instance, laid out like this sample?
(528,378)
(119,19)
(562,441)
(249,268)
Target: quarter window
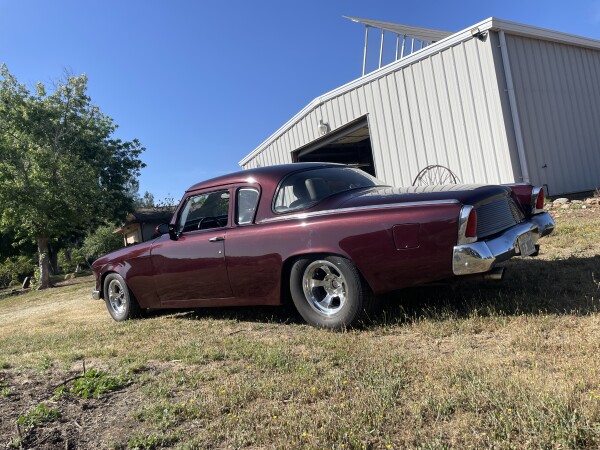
(247,199)
(209,210)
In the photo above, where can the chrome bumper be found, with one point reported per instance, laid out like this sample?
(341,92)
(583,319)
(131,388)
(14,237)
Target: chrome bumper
(481,256)
(96,294)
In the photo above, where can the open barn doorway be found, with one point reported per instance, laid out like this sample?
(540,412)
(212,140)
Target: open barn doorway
(350,144)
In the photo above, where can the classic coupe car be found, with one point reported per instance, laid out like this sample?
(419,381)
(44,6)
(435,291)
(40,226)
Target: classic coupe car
(330,236)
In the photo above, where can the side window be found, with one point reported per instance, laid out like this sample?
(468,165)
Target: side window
(247,199)
(203,211)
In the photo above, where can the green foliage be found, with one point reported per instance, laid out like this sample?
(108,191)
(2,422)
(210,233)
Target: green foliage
(38,415)
(59,393)
(61,168)
(14,269)
(145,201)
(101,242)
(166,202)
(95,383)
(11,246)
(146,442)
(69,258)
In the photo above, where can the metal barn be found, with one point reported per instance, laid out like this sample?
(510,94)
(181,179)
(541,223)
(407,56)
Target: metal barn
(498,102)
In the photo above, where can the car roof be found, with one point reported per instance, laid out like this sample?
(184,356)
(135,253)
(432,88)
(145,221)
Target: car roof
(259,175)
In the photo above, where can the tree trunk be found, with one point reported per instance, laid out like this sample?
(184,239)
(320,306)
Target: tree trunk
(42,242)
(53,261)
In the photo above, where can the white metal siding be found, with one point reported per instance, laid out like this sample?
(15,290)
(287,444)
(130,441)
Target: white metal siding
(444,109)
(557,89)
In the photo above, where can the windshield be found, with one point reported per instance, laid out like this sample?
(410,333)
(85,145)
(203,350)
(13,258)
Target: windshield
(304,189)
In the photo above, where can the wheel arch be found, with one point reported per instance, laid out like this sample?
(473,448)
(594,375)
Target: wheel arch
(107,272)
(286,268)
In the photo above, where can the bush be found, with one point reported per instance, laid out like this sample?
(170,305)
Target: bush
(69,258)
(101,242)
(14,269)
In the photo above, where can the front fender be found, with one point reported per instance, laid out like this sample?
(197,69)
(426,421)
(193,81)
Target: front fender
(138,274)
(101,273)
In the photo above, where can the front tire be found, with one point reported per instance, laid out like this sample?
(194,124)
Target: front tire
(119,301)
(329,292)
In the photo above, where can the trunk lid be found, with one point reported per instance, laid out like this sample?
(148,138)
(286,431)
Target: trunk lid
(496,210)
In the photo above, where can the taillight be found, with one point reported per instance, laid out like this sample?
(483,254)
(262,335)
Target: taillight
(467,225)
(471,230)
(537,200)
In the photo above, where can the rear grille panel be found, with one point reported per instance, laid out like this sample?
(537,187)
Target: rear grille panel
(496,216)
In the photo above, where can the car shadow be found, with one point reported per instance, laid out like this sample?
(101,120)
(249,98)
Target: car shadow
(258,314)
(530,286)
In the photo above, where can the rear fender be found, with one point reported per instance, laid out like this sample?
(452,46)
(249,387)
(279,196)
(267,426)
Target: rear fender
(525,195)
(521,193)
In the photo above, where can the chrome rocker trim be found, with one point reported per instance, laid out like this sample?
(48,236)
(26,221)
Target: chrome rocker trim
(96,294)
(481,256)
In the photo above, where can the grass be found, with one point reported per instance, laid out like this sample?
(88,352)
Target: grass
(507,365)
(94,383)
(38,415)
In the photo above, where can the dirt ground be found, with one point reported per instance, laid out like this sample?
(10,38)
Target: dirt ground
(84,423)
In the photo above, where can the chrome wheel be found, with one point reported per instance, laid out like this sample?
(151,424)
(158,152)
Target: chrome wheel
(117,297)
(121,303)
(324,287)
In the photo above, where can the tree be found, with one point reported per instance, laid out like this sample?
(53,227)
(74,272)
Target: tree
(62,170)
(145,201)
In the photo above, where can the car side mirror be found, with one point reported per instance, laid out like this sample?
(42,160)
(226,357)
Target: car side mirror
(173,233)
(163,228)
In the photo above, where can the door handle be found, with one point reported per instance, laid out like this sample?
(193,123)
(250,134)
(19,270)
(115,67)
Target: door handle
(216,239)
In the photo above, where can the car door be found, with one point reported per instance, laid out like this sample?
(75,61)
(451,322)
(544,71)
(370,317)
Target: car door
(192,267)
(253,267)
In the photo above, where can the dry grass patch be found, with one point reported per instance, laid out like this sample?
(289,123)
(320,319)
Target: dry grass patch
(507,365)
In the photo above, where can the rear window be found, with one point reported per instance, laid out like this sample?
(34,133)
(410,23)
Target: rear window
(305,189)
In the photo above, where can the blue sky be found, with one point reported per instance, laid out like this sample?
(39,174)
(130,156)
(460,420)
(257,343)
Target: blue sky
(201,84)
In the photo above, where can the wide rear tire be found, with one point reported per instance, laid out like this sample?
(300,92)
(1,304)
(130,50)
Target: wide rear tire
(120,303)
(329,292)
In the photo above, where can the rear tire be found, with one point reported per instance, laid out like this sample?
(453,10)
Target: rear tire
(121,303)
(329,292)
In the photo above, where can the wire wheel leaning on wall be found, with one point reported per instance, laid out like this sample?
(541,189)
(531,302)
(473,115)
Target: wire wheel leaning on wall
(435,175)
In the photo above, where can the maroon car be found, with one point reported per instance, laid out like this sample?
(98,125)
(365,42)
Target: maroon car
(332,236)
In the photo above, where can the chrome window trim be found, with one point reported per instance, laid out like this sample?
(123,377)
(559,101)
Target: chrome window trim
(208,191)
(237,193)
(357,208)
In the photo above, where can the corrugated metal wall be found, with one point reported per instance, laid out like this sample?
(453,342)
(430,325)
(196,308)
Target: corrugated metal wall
(557,88)
(446,109)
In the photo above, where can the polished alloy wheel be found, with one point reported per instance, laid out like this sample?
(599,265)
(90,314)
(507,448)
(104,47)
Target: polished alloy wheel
(324,287)
(116,296)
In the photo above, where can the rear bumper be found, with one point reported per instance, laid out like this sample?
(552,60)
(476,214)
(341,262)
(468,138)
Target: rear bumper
(481,256)
(96,294)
